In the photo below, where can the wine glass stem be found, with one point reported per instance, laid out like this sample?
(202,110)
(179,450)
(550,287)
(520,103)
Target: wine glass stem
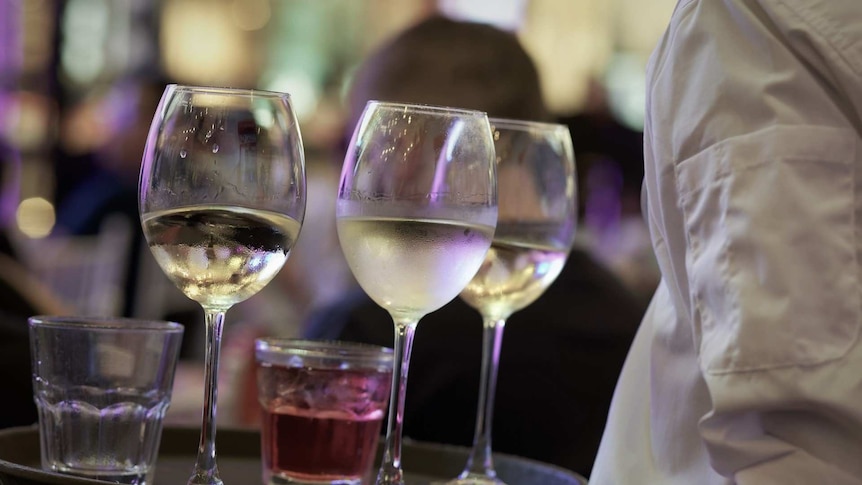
(480,461)
(206,470)
(390,471)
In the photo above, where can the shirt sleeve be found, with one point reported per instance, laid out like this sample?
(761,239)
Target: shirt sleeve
(756,149)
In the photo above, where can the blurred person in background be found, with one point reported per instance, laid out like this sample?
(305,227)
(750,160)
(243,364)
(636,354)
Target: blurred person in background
(562,354)
(119,122)
(610,173)
(746,368)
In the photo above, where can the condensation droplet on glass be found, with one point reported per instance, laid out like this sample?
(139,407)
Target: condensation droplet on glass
(183,153)
(215,147)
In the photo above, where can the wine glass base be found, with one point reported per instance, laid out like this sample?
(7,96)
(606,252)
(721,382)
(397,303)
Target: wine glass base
(472,479)
(203,480)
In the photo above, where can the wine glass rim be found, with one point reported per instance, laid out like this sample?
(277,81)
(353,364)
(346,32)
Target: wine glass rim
(434,108)
(227,91)
(104,323)
(520,124)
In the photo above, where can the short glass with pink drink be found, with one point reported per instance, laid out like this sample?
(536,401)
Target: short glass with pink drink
(322,405)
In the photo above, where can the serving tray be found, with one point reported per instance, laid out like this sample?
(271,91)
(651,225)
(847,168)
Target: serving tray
(239,461)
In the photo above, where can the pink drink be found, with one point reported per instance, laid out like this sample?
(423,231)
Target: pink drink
(327,447)
(320,425)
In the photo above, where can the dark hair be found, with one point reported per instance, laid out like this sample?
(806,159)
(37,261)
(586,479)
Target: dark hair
(451,63)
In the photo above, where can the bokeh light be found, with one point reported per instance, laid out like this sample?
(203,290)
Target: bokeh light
(35,217)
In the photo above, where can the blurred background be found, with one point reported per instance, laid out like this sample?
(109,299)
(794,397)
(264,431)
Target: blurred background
(80,79)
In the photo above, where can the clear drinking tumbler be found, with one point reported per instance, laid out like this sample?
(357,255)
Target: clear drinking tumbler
(102,386)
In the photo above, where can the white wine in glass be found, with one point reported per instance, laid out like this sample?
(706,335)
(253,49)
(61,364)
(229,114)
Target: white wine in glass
(423,246)
(220,255)
(537,217)
(222,199)
(416,210)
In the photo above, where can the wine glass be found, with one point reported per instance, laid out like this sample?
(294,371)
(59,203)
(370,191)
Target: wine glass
(535,232)
(222,199)
(416,210)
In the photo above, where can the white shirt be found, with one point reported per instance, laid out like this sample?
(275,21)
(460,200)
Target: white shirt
(748,366)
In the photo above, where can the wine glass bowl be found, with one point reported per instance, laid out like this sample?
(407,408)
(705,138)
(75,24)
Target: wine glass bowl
(222,199)
(536,217)
(222,191)
(416,211)
(535,231)
(417,186)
